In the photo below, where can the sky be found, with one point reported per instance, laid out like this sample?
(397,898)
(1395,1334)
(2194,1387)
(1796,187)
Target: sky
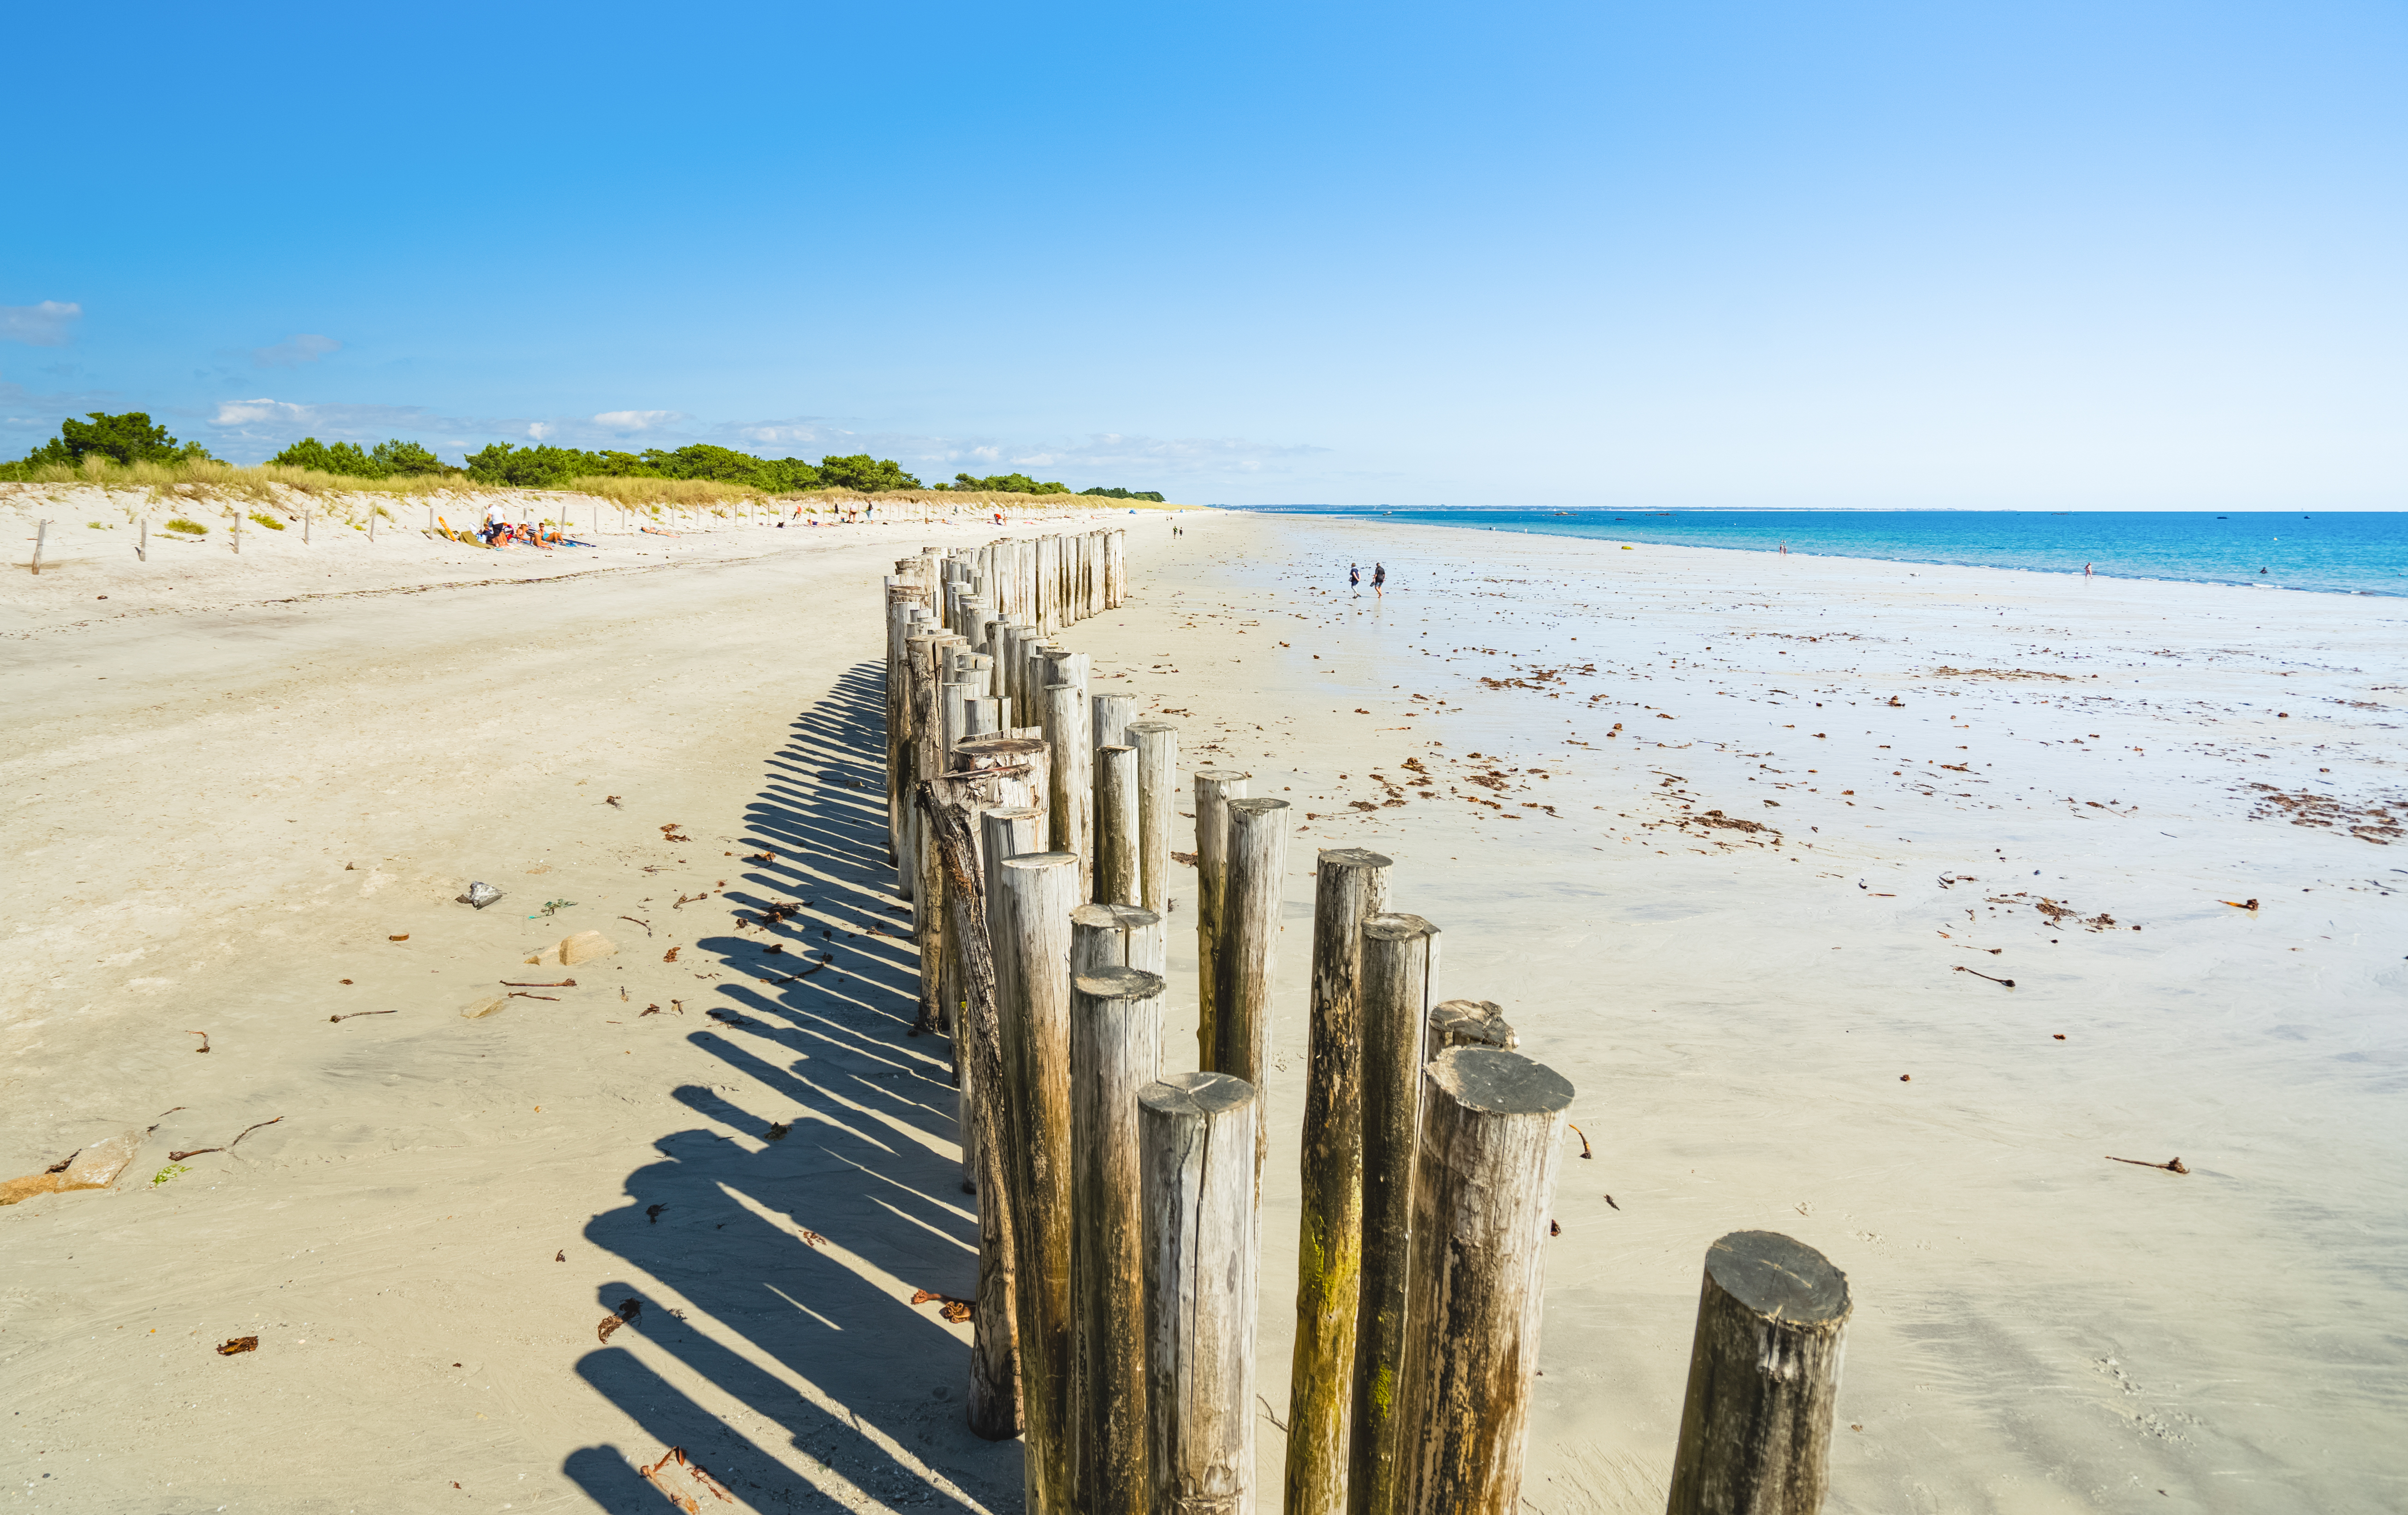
(2036,255)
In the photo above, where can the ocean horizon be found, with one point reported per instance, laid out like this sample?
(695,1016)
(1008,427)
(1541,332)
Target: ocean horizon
(2339,553)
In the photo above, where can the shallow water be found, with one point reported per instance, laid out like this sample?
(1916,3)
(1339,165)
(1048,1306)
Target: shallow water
(2351,553)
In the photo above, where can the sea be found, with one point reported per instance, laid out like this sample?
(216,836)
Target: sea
(2342,552)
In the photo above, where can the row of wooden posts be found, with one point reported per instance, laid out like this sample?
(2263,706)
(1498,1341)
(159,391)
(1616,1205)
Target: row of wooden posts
(1114,1323)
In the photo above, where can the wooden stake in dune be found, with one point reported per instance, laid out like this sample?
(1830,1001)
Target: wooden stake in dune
(1399,965)
(1035,899)
(1116,936)
(142,547)
(41,539)
(1349,886)
(1491,1143)
(1115,1052)
(1117,826)
(1073,780)
(1214,789)
(1249,946)
(994,1398)
(1157,778)
(1764,1376)
(1203,1251)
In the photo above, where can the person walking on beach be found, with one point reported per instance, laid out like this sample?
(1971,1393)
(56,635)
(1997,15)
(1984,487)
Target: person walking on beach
(1379,580)
(2085,570)
(1354,576)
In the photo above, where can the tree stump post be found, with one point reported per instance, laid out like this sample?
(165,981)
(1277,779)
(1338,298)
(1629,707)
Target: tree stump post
(1349,886)
(1399,965)
(1112,715)
(1214,789)
(1249,944)
(1158,780)
(1203,1247)
(1117,826)
(1116,936)
(1115,1052)
(1037,896)
(1492,1141)
(1073,782)
(1764,1379)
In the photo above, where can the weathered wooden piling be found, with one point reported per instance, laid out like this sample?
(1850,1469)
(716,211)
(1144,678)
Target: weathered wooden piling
(1399,965)
(1073,795)
(1158,781)
(1115,1052)
(994,1401)
(1203,1246)
(1249,942)
(1214,789)
(1349,886)
(1117,826)
(1112,714)
(1116,936)
(1763,1377)
(1035,899)
(1491,1142)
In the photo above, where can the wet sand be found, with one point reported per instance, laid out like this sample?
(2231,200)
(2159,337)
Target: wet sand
(219,814)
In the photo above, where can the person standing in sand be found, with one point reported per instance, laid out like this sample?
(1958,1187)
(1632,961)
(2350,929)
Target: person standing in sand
(1380,580)
(1354,576)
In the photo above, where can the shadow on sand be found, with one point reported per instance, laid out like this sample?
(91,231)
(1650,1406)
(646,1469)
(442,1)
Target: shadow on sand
(794,1258)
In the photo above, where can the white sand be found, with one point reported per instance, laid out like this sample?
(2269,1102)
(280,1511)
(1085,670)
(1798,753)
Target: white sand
(2037,1328)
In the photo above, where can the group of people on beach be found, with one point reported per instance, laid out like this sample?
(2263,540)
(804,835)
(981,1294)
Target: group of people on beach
(1378,578)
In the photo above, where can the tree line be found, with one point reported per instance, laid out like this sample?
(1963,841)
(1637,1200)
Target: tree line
(134,437)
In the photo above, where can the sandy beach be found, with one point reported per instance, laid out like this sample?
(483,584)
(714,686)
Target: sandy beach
(1743,843)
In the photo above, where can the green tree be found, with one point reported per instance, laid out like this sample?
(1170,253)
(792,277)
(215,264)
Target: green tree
(531,467)
(865,474)
(1007,484)
(345,458)
(399,457)
(130,437)
(1156,495)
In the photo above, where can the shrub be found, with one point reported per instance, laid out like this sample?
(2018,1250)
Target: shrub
(98,526)
(190,528)
(268,521)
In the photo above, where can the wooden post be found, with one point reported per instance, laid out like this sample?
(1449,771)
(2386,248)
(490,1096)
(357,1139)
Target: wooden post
(1073,780)
(1112,715)
(1492,1140)
(1037,896)
(1115,936)
(41,539)
(1350,886)
(1203,1247)
(994,1399)
(1157,776)
(1250,925)
(237,532)
(928,760)
(1400,964)
(1117,826)
(1214,789)
(304,526)
(1764,1376)
(1115,1051)
(1469,1022)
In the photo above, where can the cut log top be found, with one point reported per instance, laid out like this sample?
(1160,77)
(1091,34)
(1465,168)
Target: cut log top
(1195,1094)
(1136,727)
(1397,926)
(1498,1082)
(1779,1278)
(1223,775)
(1113,917)
(1041,860)
(1353,857)
(1473,1021)
(1117,983)
(1001,746)
(1258,806)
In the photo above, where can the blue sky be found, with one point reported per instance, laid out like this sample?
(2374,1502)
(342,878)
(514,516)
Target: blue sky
(2129,255)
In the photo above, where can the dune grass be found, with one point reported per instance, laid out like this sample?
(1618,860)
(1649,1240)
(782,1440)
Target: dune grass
(225,479)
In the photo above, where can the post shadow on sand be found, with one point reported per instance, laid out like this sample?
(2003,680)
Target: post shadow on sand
(745,1228)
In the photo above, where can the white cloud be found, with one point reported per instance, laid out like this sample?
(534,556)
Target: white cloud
(50,323)
(623,421)
(305,347)
(538,429)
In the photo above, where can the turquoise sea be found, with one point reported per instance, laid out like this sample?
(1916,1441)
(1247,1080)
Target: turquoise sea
(2345,553)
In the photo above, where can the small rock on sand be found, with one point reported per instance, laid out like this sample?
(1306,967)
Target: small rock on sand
(585,947)
(476,1009)
(96,1166)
